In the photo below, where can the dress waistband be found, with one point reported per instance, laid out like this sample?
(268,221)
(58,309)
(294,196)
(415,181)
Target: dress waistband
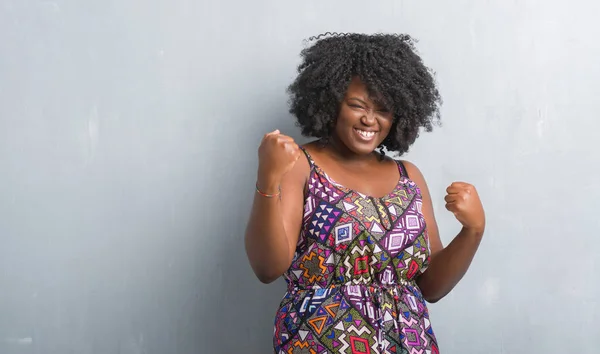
(293,288)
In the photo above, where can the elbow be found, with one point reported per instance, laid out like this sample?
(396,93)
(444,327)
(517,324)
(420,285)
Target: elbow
(430,295)
(266,269)
(432,299)
(266,272)
(267,276)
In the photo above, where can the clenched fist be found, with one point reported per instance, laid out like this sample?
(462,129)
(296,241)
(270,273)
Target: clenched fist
(463,201)
(277,155)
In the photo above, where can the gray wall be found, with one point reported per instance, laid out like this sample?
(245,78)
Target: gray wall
(128,136)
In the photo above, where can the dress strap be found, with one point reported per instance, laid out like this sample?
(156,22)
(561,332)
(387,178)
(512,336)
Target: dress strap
(402,169)
(311,162)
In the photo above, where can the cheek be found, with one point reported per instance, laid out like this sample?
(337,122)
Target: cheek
(386,129)
(386,125)
(346,118)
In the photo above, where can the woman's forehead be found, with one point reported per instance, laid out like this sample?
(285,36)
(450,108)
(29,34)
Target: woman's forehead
(358,89)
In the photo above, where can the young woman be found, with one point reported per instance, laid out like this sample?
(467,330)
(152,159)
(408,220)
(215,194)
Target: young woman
(352,230)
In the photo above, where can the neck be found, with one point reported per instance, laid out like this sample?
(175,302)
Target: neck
(340,152)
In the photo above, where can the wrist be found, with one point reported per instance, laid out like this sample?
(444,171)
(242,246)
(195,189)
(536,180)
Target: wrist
(268,185)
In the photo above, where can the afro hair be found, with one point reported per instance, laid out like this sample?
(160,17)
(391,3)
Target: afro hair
(387,64)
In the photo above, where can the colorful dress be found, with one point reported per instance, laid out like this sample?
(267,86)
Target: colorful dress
(351,285)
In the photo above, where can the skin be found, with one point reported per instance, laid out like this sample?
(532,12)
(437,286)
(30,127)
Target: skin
(274,225)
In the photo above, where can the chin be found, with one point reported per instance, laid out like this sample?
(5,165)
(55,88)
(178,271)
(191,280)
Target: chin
(361,148)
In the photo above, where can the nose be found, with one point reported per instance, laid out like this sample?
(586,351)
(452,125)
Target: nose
(368,119)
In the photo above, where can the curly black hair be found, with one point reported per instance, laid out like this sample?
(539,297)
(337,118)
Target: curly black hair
(389,67)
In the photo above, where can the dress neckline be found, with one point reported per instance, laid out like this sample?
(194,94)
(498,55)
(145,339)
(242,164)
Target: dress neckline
(342,187)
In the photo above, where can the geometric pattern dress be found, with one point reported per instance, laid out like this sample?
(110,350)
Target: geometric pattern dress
(351,286)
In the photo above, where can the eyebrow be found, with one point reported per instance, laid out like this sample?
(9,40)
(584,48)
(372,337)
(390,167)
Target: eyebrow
(358,99)
(377,104)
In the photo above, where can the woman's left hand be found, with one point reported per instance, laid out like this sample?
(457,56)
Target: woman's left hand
(463,201)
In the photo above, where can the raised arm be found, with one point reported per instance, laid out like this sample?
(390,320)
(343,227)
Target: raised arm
(448,265)
(276,216)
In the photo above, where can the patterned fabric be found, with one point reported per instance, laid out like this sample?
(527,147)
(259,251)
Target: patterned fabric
(351,285)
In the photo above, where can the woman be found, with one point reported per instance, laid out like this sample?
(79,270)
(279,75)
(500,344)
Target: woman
(352,230)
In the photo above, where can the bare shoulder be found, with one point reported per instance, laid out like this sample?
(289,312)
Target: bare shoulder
(416,176)
(300,171)
(312,147)
(413,172)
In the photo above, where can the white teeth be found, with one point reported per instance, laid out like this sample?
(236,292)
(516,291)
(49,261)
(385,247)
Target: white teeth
(365,134)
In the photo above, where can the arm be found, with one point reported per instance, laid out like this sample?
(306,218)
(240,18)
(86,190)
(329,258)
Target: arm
(448,265)
(274,225)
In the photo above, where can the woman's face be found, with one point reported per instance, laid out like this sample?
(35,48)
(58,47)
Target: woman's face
(362,124)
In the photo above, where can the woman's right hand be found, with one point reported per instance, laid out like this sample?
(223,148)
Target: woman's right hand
(277,155)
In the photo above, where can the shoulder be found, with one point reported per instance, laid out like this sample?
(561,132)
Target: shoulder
(301,169)
(410,168)
(312,147)
(413,173)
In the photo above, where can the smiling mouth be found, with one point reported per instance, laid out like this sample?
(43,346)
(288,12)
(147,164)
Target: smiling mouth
(365,134)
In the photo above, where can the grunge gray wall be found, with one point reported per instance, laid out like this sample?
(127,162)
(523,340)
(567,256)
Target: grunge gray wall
(128,136)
